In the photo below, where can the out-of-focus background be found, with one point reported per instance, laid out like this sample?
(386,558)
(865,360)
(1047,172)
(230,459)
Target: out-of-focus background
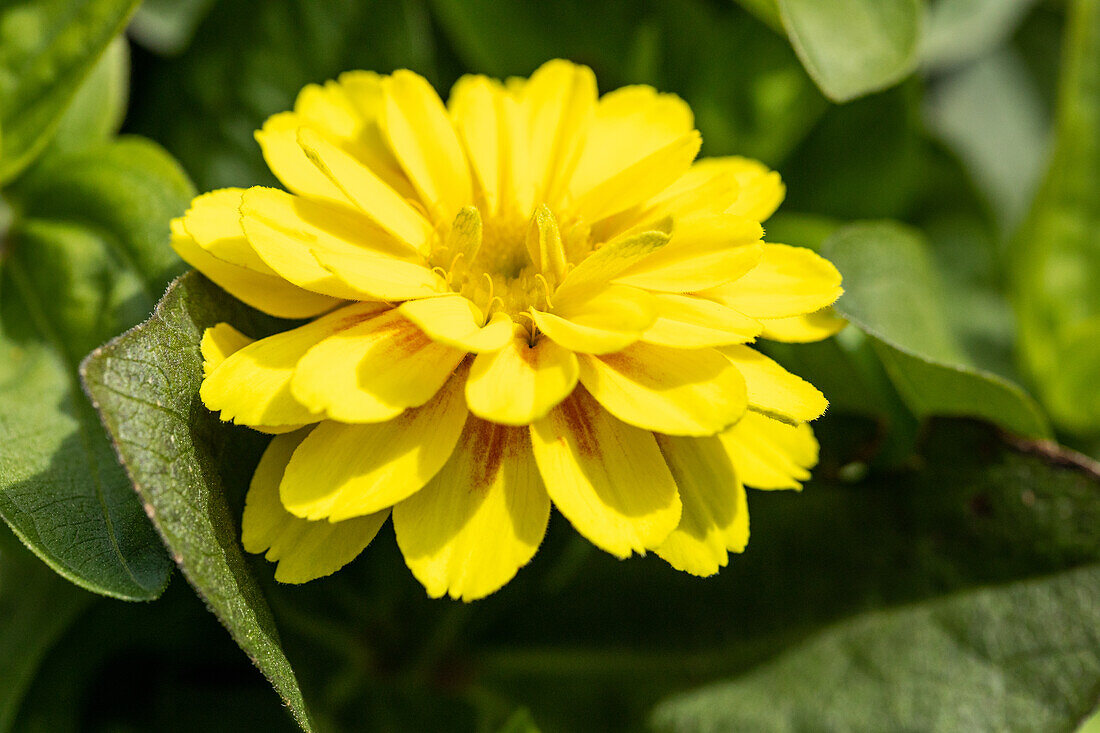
(940,572)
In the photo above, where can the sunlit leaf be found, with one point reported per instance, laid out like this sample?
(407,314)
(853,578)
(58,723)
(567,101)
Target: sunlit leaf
(46,50)
(86,256)
(894,295)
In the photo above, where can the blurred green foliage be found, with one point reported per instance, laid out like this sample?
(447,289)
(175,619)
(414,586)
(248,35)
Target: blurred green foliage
(938,573)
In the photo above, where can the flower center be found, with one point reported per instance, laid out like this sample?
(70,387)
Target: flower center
(506,262)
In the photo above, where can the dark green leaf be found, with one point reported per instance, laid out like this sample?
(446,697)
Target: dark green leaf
(145,385)
(893,294)
(47,50)
(250,58)
(876,174)
(36,607)
(86,257)
(1023,657)
(974,510)
(1057,253)
(854,47)
(766,10)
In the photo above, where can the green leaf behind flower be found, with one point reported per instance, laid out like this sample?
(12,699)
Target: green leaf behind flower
(46,51)
(145,385)
(893,294)
(1057,252)
(86,256)
(974,510)
(854,47)
(1022,657)
(36,607)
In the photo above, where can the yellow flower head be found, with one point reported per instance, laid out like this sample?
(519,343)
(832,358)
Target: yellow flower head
(530,295)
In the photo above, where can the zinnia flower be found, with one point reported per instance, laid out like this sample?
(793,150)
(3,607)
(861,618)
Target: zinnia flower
(531,295)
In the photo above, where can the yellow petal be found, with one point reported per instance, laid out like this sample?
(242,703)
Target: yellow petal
(278,140)
(521,383)
(373,371)
(425,142)
(672,391)
(286,230)
(363,91)
(252,387)
(630,123)
(701,255)
(342,471)
(476,105)
(380,277)
(773,390)
(761,189)
(607,263)
(455,321)
(347,113)
(609,321)
(715,519)
(608,478)
(365,189)
(304,550)
(769,454)
(480,519)
(638,182)
(789,281)
(687,322)
(270,294)
(214,221)
(218,344)
(557,104)
(803,329)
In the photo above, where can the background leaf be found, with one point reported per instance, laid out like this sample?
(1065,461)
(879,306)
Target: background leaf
(853,47)
(1023,657)
(1055,253)
(166,26)
(96,111)
(36,607)
(86,256)
(893,294)
(145,385)
(47,48)
(957,31)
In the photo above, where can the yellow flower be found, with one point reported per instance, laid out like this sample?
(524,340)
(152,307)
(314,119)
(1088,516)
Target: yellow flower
(530,295)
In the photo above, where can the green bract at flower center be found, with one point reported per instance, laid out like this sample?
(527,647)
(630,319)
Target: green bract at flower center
(509,263)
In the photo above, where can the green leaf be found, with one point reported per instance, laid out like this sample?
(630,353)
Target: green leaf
(972,510)
(892,293)
(746,87)
(767,11)
(854,47)
(36,607)
(958,31)
(1057,252)
(96,112)
(46,51)
(166,26)
(1023,657)
(878,173)
(86,257)
(145,385)
(991,115)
